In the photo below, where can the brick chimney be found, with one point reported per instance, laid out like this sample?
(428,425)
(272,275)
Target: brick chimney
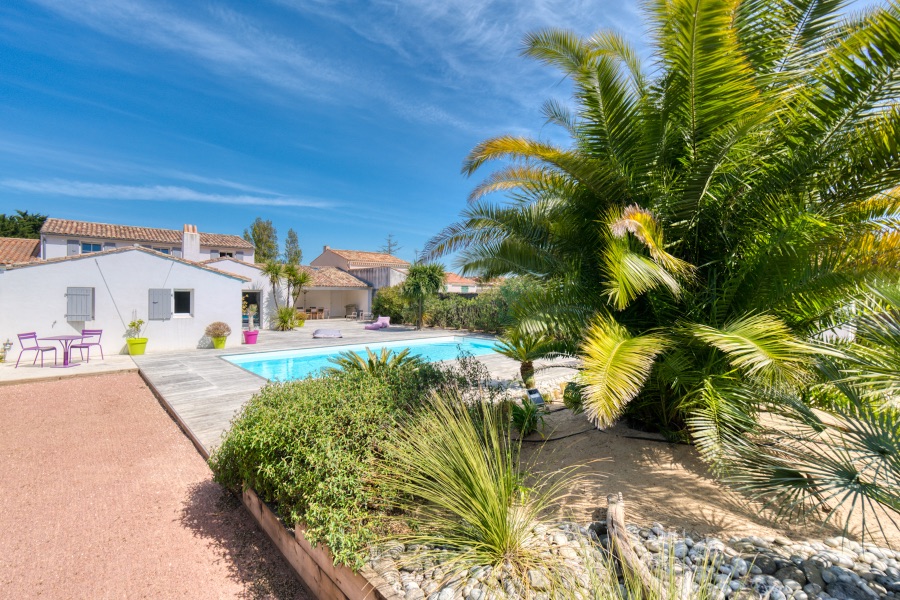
(190,243)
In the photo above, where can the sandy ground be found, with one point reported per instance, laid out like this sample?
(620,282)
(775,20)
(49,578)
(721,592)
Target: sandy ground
(104,497)
(660,482)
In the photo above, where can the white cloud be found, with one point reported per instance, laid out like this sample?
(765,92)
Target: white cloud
(153,193)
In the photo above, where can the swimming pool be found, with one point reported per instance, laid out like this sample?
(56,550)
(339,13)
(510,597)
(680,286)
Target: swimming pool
(286,365)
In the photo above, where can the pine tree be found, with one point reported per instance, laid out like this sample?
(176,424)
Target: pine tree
(390,245)
(293,255)
(264,237)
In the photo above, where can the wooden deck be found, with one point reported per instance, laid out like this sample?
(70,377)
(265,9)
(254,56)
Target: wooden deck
(203,392)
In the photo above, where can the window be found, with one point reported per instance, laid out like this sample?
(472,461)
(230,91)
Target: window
(164,250)
(465,289)
(88,247)
(184,300)
(226,254)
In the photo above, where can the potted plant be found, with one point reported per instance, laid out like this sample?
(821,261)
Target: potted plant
(250,334)
(136,344)
(218,331)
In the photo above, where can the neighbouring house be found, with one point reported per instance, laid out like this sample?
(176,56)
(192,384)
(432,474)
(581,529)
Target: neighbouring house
(377,269)
(62,237)
(330,288)
(177,298)
(19,250)
(457,284)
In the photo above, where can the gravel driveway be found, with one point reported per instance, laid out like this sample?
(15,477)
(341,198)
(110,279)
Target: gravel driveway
(104,497)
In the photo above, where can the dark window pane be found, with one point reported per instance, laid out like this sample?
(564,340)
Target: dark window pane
(182,302)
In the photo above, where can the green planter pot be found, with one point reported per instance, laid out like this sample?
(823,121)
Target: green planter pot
(219,343)
(136,346)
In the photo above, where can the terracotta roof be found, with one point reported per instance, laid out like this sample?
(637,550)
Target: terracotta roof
(454,279)
(19,250)
(321,276)
(361,256)
(333,277)
(50,261)
(137,234)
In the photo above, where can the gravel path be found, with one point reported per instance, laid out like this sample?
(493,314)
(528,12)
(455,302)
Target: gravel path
(104,497)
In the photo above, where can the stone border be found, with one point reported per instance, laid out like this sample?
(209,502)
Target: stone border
(315,564)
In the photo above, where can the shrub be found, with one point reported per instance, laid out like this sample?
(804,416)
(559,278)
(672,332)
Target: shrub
(389,302)
(527,417)
(309,447)
(285,318)
(218,329)
(573,397)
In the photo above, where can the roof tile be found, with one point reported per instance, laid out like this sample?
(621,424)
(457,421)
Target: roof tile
(137,234)
(376,257)
(19,250)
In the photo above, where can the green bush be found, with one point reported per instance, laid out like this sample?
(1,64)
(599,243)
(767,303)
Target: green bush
(389,302)
(310,447)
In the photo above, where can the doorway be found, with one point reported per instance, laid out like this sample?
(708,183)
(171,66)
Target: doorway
(252,297)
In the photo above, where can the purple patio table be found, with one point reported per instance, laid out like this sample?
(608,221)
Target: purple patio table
(66,342)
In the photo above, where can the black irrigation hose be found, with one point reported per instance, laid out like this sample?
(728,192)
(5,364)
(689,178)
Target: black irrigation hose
(568,435)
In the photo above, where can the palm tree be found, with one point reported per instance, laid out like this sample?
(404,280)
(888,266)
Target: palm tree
(422,282)
(274,272)
(299,280)
(526,348)
(712,221)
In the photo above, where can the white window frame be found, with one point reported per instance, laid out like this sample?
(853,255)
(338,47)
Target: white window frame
(91,244)
(178,315)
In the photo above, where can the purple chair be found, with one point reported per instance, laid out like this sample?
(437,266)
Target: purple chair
(90,337)
(32,344)
(380,323)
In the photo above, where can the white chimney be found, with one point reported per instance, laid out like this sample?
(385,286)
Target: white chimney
(325,248)
(190,243)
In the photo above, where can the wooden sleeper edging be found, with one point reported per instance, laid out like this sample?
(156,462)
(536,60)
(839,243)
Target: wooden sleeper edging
(315,564)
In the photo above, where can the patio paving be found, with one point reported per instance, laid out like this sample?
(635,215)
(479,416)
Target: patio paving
(112,363)
(203,392)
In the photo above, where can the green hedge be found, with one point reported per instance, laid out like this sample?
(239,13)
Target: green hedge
(488,311)
(309,447)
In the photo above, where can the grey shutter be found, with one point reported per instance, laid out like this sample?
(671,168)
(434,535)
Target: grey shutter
(73,247)
(160,305)
(108,245)
(79,304)
(239,255)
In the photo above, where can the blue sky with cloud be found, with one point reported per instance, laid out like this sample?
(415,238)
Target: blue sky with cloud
(346,120)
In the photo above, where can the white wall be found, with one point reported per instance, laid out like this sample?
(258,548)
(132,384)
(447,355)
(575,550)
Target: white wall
(34,299)
(335,300)
(258,282)
(54,246)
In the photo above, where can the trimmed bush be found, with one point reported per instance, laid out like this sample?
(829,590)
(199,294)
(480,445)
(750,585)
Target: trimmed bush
(310,447)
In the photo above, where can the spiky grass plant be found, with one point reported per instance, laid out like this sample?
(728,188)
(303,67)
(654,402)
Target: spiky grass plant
(468,500)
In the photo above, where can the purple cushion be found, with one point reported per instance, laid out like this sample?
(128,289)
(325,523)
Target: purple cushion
(327,333)
(373,326)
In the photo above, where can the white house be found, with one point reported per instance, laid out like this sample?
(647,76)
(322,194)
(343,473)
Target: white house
(377,269)
(62,237)
(457,284)
(106,290)
(331,289)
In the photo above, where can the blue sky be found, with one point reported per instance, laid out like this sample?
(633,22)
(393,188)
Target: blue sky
(344,120)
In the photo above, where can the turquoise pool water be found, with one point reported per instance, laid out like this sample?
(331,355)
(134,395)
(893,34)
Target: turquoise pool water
(286,365)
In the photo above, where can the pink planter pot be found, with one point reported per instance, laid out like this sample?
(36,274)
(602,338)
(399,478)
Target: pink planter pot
(250,336)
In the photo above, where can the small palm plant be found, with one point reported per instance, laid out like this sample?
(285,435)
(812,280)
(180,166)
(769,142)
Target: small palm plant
(526,348)
(422,282)
(372,363)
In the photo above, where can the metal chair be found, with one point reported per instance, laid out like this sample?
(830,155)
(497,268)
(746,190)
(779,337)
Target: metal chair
(87,341)
(31,337)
